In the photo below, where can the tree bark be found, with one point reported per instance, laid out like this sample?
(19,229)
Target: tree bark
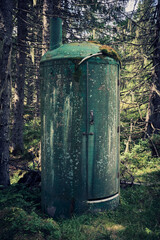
(153,115)
(17,133)
(129,138)
(38,54)
(47,11)
(5,83)
(37,85)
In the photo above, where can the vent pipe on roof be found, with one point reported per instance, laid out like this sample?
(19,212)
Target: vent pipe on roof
(55,33)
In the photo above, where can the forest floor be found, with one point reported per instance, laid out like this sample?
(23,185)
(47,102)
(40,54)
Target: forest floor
(136,218)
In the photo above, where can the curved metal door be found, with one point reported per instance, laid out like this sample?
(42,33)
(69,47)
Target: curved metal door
(102,126)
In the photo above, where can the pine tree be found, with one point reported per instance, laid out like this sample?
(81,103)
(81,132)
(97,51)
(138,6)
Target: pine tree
(17,135)
(6,8)
(153,116)
(139,34)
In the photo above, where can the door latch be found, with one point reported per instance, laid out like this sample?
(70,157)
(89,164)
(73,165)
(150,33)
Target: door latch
(91,118)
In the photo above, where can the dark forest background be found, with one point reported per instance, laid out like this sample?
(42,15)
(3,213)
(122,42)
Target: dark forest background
(24,38)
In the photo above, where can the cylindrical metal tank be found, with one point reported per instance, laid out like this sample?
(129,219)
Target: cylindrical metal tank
(80,126)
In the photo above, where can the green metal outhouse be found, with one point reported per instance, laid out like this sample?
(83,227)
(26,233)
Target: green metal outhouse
(80,126)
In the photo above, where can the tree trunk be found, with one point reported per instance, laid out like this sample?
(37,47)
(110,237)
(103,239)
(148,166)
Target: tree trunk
(5,83)
(129,138)
(153,115)
(29,90)
(17,134)
(38,54)
(47,10)
(37,85)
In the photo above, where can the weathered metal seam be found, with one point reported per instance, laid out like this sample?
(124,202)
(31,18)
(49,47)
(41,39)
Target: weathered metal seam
(104,200)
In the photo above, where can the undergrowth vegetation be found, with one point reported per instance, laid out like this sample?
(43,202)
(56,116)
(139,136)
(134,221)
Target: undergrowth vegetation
(136,218)
(140,164)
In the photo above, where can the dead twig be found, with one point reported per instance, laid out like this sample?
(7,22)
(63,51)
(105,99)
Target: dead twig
(123,182)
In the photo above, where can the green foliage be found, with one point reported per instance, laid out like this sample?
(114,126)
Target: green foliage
(19,196)
(137,217)
(19,210)
(14,178)
(155,144)
(30,157)
(144,205)
(138,36)
(140,163)
(32,133)
(16,220)
(139,156)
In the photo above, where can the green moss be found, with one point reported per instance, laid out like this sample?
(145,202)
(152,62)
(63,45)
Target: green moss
(110,52)
(32,134)
(15,220)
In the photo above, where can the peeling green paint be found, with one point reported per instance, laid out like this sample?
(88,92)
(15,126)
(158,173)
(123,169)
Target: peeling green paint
(80,160)
(79,51)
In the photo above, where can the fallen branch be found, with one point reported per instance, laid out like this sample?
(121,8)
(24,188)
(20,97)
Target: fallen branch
(21,168)
(123,182)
